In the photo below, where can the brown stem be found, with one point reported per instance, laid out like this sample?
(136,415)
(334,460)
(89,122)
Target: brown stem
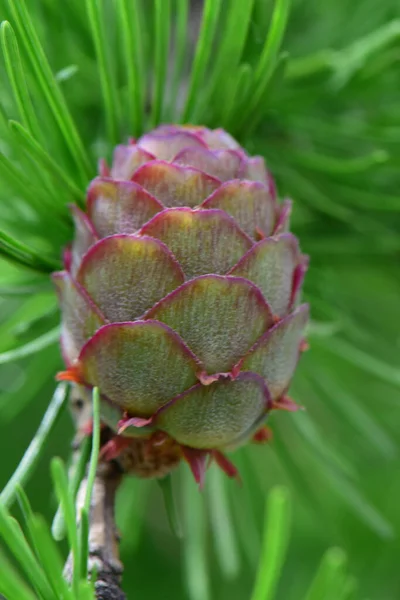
(103,536)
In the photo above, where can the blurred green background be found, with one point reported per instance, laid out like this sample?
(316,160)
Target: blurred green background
(326,117)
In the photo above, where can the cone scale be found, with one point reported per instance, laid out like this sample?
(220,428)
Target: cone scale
(180,300)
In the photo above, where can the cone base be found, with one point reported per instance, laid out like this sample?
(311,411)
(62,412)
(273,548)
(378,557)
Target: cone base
(149,457)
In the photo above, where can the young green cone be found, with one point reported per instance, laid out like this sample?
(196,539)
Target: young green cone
(180,299)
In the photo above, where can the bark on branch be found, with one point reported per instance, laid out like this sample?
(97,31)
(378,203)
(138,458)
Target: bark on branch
(103,536)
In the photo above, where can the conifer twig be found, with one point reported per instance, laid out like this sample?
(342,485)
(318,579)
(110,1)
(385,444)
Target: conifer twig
(103,555)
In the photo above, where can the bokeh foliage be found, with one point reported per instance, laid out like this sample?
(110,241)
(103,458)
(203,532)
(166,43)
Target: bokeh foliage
(322,106)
